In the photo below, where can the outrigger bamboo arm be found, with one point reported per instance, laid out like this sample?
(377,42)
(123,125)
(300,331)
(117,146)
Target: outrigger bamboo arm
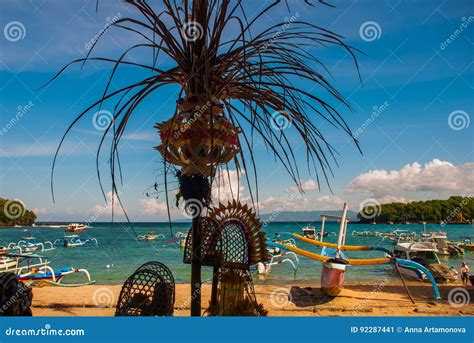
(354,262)
(331,245)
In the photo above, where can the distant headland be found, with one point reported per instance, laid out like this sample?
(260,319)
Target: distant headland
(13,212)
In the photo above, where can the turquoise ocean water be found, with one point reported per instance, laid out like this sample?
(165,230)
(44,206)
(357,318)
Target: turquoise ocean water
(118,253)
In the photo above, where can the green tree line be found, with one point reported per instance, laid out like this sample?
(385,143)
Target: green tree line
(456,210)
(13,212)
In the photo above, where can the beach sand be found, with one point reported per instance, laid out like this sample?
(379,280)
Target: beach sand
(304,300)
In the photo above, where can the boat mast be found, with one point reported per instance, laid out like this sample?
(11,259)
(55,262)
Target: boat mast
(323,217)
(341,230)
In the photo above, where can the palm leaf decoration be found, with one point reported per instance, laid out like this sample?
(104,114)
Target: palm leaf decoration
(237,81)
(256,75)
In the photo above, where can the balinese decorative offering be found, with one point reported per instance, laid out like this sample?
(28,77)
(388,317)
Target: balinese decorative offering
(199,137)
(231,243)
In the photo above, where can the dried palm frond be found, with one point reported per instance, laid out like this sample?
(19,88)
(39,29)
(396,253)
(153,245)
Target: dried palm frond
(261,76)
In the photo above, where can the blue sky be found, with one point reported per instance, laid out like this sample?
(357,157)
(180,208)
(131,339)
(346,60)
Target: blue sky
(413,79)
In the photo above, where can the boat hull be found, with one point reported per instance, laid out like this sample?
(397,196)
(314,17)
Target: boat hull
(332,277)
(412,273)
(82,229)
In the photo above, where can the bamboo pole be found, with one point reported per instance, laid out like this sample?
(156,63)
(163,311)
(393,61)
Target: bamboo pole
(403,281)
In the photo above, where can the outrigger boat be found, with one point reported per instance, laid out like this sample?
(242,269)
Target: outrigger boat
(73,241)
(366,233)
(332,275)
(443,246)
(264,268)
(309,232)
(335,263)
(424,253)
(28,244)
(76,228)
(400,235)
(39,273)
(466,243)
(150,236)
(178,241)
(277,257)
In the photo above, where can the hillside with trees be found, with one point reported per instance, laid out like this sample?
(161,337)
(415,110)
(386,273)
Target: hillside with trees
(455,210)
(13,212)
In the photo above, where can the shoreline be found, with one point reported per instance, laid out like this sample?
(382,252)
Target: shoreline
(280,300)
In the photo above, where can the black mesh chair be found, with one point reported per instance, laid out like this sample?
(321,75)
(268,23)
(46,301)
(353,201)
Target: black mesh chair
(149,291)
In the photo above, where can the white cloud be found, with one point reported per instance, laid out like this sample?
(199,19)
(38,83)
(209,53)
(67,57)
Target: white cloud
(101,210)
(227,186)
(309,185)
(297,202)
(439,177)
(40,210)
(153,207)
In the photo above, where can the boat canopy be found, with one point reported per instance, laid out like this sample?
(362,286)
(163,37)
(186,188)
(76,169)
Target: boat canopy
(416,246)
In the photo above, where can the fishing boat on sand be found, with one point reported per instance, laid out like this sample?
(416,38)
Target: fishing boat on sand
(425,254)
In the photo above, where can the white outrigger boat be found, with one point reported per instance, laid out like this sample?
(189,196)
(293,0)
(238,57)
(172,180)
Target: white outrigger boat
(29,244)
(73,241)
(444,248)
(150,236)
(424,253)
(264,268)
(40,272)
